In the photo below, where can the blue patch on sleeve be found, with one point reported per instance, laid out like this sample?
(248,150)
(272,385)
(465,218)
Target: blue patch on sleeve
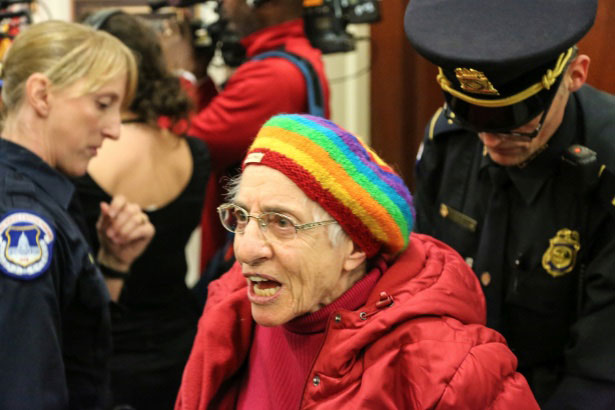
(26,245)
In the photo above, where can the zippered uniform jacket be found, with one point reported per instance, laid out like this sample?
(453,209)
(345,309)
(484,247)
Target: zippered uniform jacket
(551,288)
(55,331)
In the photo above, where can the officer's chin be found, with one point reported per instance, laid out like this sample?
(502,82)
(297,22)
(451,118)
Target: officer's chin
(75,170)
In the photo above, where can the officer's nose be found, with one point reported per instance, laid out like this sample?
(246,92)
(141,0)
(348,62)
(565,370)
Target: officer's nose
(252,247)
(490,139)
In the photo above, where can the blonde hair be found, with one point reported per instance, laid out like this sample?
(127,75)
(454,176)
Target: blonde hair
(66,53)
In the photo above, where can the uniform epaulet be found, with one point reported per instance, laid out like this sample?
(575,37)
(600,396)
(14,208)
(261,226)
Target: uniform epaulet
(21,191)
(585,173)
(599,125)
(439,124)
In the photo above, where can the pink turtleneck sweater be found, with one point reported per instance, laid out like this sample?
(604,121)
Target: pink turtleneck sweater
(281,357)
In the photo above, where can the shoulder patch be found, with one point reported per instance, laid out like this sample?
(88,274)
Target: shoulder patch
(26,245)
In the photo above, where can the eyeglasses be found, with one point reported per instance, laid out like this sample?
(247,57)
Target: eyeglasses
(450,115)
(235,219)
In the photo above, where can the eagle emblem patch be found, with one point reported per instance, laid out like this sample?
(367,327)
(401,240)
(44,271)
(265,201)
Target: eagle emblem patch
(561,256)
(26,244)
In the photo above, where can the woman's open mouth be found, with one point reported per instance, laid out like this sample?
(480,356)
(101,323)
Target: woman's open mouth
(262,290)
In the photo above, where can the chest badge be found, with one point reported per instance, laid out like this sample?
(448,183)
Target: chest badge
(561,256)
(26,242)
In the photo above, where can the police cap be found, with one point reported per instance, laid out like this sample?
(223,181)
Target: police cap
(499,61)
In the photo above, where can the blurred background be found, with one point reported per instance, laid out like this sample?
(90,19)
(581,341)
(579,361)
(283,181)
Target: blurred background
(381,89)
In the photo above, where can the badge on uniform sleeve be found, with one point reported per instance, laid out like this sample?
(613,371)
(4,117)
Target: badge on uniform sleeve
(26,243)
(561,256)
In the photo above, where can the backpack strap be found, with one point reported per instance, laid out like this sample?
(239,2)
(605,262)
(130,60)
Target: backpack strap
(315,93)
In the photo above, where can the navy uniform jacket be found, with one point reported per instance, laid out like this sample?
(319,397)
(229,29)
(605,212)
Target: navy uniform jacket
(54,318)
(553,293)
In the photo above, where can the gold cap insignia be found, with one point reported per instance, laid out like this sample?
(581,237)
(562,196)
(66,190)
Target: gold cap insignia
(474,81)
(561,256)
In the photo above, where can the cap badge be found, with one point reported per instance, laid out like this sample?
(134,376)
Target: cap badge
(474,81)
(561,256)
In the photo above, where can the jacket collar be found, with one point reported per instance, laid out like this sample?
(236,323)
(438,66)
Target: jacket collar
(427,279)
(45,177)
(352,299)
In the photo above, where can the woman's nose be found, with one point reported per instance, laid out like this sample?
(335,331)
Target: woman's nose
(251,246)
(113,126)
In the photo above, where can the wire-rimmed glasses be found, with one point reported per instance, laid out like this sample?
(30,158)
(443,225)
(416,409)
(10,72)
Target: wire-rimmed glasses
(235,219)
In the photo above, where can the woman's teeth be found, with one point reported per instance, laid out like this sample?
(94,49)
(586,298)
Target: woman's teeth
(264,287)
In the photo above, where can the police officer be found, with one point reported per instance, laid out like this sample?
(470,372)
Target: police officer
(64,85)
(514,174)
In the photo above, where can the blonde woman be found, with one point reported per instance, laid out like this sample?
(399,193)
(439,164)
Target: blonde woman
(64,88)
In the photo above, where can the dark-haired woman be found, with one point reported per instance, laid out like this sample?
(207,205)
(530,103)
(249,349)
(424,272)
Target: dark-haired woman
(155,317)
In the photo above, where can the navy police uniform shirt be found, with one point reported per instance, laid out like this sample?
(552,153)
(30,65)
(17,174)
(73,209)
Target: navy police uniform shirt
(549,276)
(54,318)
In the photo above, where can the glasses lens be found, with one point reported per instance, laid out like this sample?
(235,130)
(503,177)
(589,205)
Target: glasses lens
(279,225)
(233,218)
(238,218)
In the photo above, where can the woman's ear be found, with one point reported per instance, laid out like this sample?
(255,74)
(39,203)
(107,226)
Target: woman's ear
(37,93)
(354,258)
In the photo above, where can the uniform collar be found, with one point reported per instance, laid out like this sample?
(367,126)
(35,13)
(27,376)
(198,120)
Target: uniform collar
(45,177)
(272,37)
(530,178)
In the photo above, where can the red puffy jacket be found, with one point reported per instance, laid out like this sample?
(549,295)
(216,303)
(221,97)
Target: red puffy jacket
(422,345)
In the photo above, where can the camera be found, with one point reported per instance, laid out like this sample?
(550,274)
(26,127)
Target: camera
(326,21)
(12,14)
(325,25)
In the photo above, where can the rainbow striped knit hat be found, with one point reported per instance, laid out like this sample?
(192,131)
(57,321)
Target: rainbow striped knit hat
(342,174)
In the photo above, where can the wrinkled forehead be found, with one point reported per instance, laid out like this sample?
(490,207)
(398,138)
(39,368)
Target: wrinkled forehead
(262,186)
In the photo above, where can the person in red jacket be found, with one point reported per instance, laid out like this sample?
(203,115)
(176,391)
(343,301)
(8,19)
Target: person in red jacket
(228,121)
(332,302)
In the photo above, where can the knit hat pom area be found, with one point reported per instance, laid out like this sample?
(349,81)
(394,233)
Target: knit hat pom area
(343,175)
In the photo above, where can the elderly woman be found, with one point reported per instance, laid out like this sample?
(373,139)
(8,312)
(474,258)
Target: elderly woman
(64,87)
(332,302)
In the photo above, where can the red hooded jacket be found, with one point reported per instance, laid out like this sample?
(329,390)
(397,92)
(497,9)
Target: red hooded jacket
(421,345)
